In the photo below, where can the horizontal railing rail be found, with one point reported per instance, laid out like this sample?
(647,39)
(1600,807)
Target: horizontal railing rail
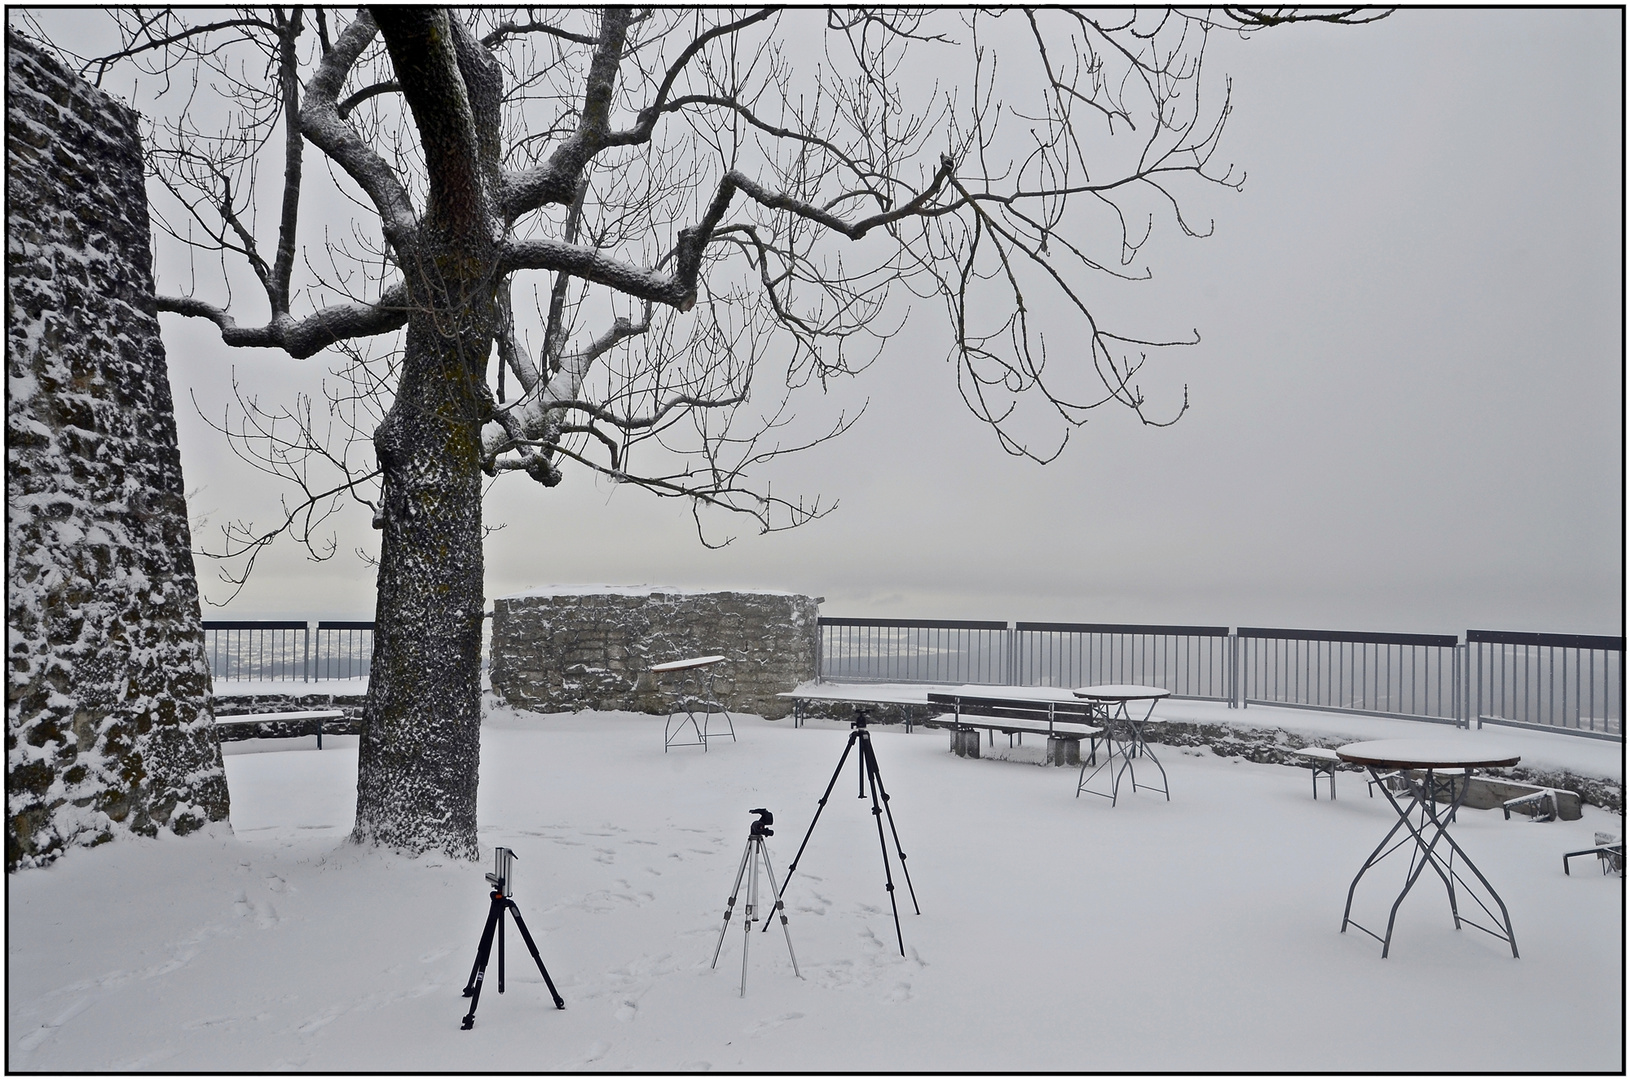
(1563,682)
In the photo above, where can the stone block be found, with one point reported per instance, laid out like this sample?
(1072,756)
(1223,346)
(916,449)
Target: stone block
(965,742)
(1064,750)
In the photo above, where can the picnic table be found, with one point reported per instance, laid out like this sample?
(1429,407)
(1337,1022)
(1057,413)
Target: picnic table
(1016,710)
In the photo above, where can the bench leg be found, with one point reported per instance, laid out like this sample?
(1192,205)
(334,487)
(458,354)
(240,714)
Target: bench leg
(1062,750)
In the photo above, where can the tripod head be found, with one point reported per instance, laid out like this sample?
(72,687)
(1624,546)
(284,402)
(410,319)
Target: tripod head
(503,875)
(761,827)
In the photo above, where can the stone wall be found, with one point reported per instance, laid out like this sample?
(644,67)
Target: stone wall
(564,650)
(108,722)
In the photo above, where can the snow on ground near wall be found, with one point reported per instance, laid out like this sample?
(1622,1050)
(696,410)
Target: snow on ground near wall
(1056,933)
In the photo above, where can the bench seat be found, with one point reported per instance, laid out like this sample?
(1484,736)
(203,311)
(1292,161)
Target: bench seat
(314,715)
(1321,761)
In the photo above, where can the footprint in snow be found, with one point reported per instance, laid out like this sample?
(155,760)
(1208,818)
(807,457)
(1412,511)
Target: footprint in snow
(901,993)
(627,1010)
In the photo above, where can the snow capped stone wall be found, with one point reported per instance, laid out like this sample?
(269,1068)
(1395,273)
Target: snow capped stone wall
(562,650)
(108,721)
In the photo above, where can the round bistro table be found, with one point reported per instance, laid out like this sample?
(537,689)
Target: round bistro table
(1428,823)
(1114,698)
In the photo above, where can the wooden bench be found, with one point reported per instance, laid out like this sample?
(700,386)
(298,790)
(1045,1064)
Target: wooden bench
(1065,723)
(314,715)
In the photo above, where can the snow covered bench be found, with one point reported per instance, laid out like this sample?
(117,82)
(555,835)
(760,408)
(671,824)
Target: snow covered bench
(1321,761)
(286,720)
(1609,850)
(1065,723)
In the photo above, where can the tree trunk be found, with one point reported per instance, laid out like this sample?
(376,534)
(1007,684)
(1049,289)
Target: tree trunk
(421,727)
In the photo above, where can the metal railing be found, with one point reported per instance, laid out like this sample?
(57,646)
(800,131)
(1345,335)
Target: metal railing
(287,651)
(1190,661)
(1570,681)
(953,651)
(1563,682)
(1408,676)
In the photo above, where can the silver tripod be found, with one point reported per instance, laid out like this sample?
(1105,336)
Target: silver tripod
(754,854)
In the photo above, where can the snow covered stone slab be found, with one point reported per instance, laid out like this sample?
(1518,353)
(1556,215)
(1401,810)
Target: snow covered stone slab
(565,648)
(108,719)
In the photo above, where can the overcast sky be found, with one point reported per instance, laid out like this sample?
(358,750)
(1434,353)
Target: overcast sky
(1406,411)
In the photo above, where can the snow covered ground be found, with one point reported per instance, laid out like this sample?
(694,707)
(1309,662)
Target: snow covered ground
(1056,933)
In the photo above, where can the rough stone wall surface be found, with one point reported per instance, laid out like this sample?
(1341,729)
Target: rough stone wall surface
(565,651)
(108,721)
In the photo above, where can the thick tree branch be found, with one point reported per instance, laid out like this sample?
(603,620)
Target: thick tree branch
(278,289)
(301,338)
(555,181)
(320,121)
(504,31)
(425,55)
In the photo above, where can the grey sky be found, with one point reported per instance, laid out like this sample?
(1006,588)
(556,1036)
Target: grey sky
(1406,412)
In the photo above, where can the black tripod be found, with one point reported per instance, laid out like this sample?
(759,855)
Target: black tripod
(752,857)
(868,772)
(501,880)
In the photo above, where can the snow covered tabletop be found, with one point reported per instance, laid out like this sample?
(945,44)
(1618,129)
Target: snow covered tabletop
(1426,754)
(1058,694)
(863,693)
(1120,692)
(681,665)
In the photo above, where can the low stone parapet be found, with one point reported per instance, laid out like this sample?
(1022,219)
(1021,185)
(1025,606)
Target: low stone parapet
(569,648)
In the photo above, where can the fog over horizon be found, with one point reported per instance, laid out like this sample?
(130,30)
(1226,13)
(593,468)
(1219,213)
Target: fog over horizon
(1406,408)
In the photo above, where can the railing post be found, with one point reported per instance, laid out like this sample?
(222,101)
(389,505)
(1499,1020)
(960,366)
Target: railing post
(1233,671)
(820,651)
(305,661)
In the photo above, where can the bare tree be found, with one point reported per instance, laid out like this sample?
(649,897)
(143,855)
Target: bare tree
(591,238)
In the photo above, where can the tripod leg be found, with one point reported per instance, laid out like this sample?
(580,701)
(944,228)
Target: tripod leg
(501,951)
(877,781)
(780,909)
(747,912)
(830,784)
(730,904)
(531,947)
(888,876)
(478,973)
